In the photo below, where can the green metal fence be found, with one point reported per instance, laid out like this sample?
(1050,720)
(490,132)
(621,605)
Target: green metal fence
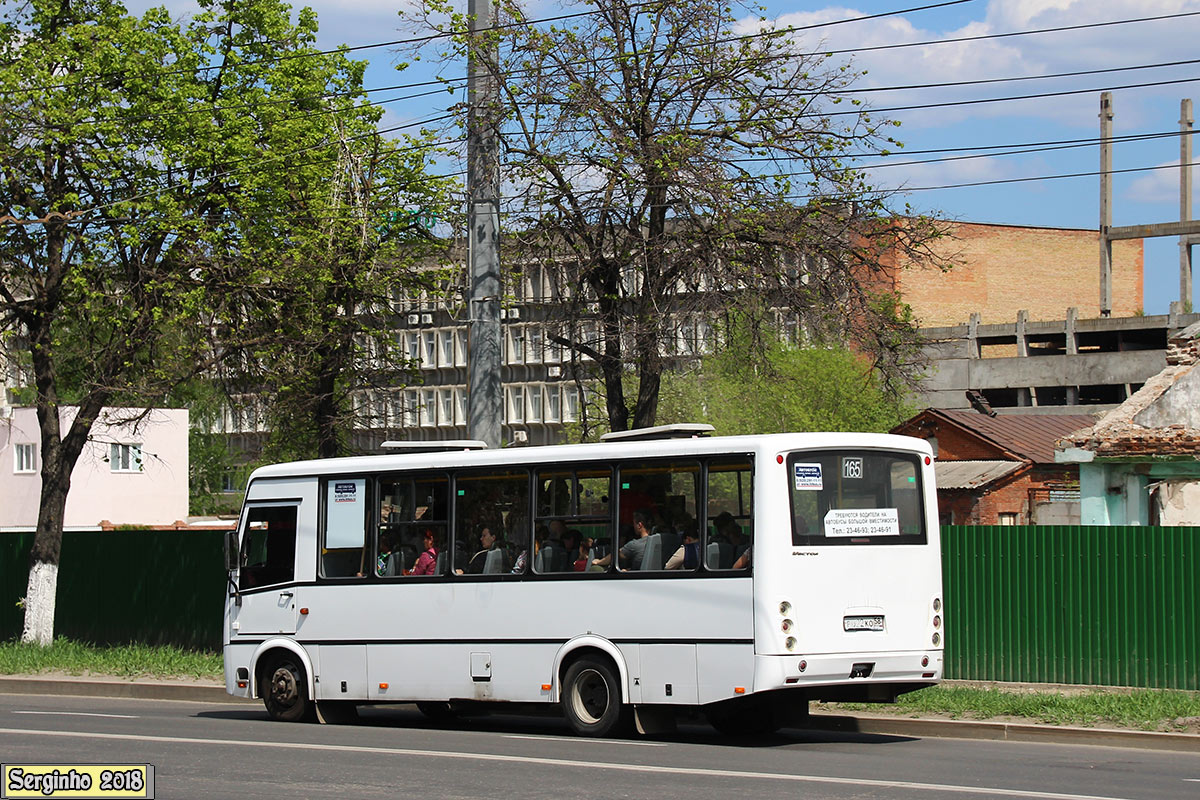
(1084,605)
(158,587)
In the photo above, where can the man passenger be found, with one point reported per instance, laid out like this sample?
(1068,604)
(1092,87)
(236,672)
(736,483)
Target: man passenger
(631,552)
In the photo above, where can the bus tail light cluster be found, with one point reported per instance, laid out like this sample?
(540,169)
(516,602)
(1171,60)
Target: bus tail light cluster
(937,622)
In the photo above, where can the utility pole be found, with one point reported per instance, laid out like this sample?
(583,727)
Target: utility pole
(484,393)
(1185,201)
(1106,216)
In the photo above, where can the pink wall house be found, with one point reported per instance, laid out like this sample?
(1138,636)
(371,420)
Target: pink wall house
(130,473)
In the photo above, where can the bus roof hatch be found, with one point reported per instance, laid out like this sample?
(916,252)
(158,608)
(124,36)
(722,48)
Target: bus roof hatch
(683,430)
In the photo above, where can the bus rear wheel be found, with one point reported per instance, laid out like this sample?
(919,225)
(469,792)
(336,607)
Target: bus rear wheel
(591,699)
(286,692)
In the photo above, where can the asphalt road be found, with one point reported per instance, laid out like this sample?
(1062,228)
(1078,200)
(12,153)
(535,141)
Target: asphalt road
(214,750)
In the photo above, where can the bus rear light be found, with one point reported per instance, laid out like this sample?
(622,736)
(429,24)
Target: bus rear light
(937,639)
(304,612)
(786,625)
(928,674)
(785,608)
(792,680)
(242,684)
(937,604)
(937,621)
(383,687)
(924,661)
(790,644)
(739,690)
(803,665)
(928,461)
(545,687)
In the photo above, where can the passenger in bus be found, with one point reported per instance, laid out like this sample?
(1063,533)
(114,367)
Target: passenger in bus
(688,554)
(631,552)
(583,553)
(384,559)
(487,543)
(426,563)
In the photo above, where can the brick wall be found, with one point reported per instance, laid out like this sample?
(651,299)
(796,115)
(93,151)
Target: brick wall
(1001,269)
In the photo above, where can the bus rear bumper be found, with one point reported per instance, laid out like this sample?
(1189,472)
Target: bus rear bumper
(905,670)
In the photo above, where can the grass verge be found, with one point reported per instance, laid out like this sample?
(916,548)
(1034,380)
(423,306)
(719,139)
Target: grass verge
(124,661)
(1138,709)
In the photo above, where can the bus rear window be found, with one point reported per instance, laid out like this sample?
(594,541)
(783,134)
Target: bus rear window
(845,497)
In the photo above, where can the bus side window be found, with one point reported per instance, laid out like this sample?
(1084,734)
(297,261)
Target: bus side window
(490,513)
(343,553)
(730,529)
(268,547)
(573,528)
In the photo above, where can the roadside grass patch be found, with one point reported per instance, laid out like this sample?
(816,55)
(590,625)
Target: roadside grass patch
(1140,709)
(124,661)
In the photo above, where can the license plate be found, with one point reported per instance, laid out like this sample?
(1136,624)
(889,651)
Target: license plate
(872,623)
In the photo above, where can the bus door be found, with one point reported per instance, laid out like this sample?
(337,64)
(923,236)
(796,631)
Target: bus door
(267,570)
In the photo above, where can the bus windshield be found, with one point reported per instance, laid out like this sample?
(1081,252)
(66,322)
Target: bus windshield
(847,497)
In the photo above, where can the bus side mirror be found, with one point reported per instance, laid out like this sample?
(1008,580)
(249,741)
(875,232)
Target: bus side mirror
(231,551)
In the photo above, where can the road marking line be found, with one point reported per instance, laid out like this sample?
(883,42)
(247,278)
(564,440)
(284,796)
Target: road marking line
(79,714)
(674,771)
(577,739)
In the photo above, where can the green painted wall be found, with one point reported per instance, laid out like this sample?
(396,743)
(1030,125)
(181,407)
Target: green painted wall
(1084,605)
(1081,604)
(124,586)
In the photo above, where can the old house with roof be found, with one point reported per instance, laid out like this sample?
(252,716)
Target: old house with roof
(1000,469)
(1139,464)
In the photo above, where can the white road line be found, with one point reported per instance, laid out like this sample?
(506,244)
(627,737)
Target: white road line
(577,739)
(674,771)
(79,714)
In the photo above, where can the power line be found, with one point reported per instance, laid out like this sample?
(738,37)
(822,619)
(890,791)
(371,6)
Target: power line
(446,35)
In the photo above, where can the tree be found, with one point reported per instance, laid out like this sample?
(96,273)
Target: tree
(793,388)
(312,329)
(126,148)
(663,167)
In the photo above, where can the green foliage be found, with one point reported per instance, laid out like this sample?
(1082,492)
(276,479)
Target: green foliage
(1146,709)
(126,661)
(769,386)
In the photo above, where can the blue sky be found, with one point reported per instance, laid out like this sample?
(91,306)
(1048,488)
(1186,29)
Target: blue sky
(1140,196)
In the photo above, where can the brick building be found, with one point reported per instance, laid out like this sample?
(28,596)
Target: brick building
(1000,269)
(1000,470)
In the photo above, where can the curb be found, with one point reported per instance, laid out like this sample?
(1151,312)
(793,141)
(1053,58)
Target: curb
(1007,732)
(876,724)
(142,690)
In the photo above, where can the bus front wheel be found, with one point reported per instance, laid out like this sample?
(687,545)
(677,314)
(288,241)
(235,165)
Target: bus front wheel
(591,699)
(286,692)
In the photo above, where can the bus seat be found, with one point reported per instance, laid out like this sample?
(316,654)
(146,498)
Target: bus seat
(440,567)
(670,543)
(652,556)
(719,555)
(494,564)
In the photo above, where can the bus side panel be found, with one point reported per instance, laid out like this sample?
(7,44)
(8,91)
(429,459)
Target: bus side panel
(723,669)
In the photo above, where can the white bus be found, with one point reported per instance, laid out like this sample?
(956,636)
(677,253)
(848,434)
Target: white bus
(626,580)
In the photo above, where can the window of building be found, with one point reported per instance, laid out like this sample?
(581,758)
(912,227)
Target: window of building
(533,334)
(428,408)
(516,345)
(460,407)
(412,409)
(446,406)
(412,349)
(125,457)
(570,405)
(534,406)
(460,347)
(516,404)
(430,351)
(1008,518)
(26,455)
(446,340)
(553,404)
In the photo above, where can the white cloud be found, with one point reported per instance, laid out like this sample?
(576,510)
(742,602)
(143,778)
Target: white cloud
(1158,186)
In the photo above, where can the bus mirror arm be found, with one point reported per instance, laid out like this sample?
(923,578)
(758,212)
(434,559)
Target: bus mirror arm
(237,594)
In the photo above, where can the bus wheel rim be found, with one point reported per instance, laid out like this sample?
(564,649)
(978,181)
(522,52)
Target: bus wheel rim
(591,696)
(284,690)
